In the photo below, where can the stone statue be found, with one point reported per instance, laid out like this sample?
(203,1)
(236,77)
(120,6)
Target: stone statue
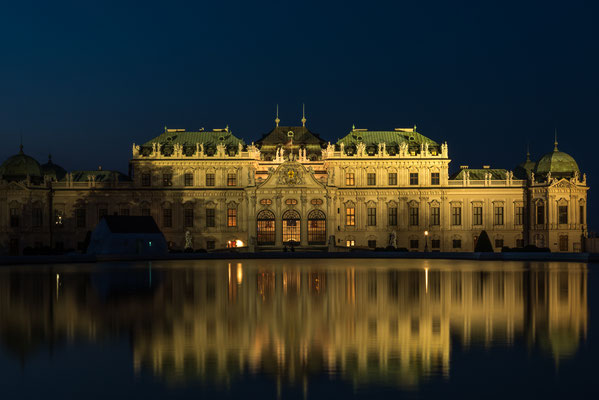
(393,239)
(188,241)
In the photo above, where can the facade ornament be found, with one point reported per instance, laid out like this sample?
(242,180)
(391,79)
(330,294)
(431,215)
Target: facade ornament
(188,241)
(393,239)
(361,149)
(342,148)
(220,150)
(584,179)
(135,150)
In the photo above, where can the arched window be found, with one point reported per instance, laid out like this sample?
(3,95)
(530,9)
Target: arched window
(317,227)
(291,226)
(265,227)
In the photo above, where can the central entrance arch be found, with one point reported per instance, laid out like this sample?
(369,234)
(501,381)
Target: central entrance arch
(317,227)
(291,226)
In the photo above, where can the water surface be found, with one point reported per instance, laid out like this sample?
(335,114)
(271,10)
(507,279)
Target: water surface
(298,329)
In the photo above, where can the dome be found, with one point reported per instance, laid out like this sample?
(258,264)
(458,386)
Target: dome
(54,171)
(19,166)
(560,164)
(523,170)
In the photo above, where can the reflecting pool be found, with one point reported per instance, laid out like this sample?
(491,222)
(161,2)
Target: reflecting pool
(298,329)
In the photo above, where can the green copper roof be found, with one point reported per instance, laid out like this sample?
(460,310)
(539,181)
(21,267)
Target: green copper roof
(19,166)
(391,138)
(52,170)
(294,136)
(560,164)
(479,174)
(99,176)
(189,141)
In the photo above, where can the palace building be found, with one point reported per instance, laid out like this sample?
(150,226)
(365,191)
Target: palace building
(290,187)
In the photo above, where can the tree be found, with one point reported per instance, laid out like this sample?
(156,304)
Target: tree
(483,245)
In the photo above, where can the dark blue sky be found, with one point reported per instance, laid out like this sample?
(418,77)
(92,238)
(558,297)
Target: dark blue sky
(84,80)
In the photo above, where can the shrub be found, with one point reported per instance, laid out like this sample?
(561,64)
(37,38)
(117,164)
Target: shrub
(483,245)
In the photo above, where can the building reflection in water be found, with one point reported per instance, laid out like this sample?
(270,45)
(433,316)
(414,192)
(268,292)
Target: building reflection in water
(292,319)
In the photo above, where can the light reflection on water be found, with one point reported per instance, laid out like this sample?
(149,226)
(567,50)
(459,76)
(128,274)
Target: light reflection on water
(390,323)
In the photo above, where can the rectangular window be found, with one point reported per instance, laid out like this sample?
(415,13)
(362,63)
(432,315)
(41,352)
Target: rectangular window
(498,215)
(392,216)
(14,218)
(146,180)
(124,211)
(37,218)
(519,243)
(413,243)
(80,217)
(167,179)
(188,179)
(562,214)
(167,218)
(499,243)
(581,215)
(210,179)
(435,216)
(436,243)
(232,179)
(371,216)
(413,216)
(457,243)
(413,178)
(210,244)
(232,217)
(145,212)
(188,218)
(102,212)
(435,179)
(371,179)
(372,244)
(392,178)
(456,215)
(210,218)
(350,243)
(540,214)
(350,179)
(477,215)
(519,215)
(350,216)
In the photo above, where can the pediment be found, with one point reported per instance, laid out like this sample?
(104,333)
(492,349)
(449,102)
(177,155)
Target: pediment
(562,184)
(16,186)
(291,174)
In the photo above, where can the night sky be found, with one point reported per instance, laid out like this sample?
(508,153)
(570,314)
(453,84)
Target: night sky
(84,80)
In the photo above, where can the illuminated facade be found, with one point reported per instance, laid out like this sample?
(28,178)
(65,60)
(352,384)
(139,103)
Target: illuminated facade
(369,189)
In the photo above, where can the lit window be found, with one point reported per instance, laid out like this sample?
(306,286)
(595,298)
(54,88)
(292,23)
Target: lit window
(350,216)
(232,179)
(232,217)
(266,202)
(350,179)
(291,202)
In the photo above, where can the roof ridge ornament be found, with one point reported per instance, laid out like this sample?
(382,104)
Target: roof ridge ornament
(555,141)
(528,152)
(277,120)
(303,115)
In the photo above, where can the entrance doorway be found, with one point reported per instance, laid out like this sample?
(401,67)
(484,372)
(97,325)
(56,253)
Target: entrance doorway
(291,226)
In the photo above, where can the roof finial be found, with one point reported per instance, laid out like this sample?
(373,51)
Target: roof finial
(528,152)
(21,146)
(277,120)
(303,114)
(555,141)
(49,158)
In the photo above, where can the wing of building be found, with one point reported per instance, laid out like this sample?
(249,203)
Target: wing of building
(211,190)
